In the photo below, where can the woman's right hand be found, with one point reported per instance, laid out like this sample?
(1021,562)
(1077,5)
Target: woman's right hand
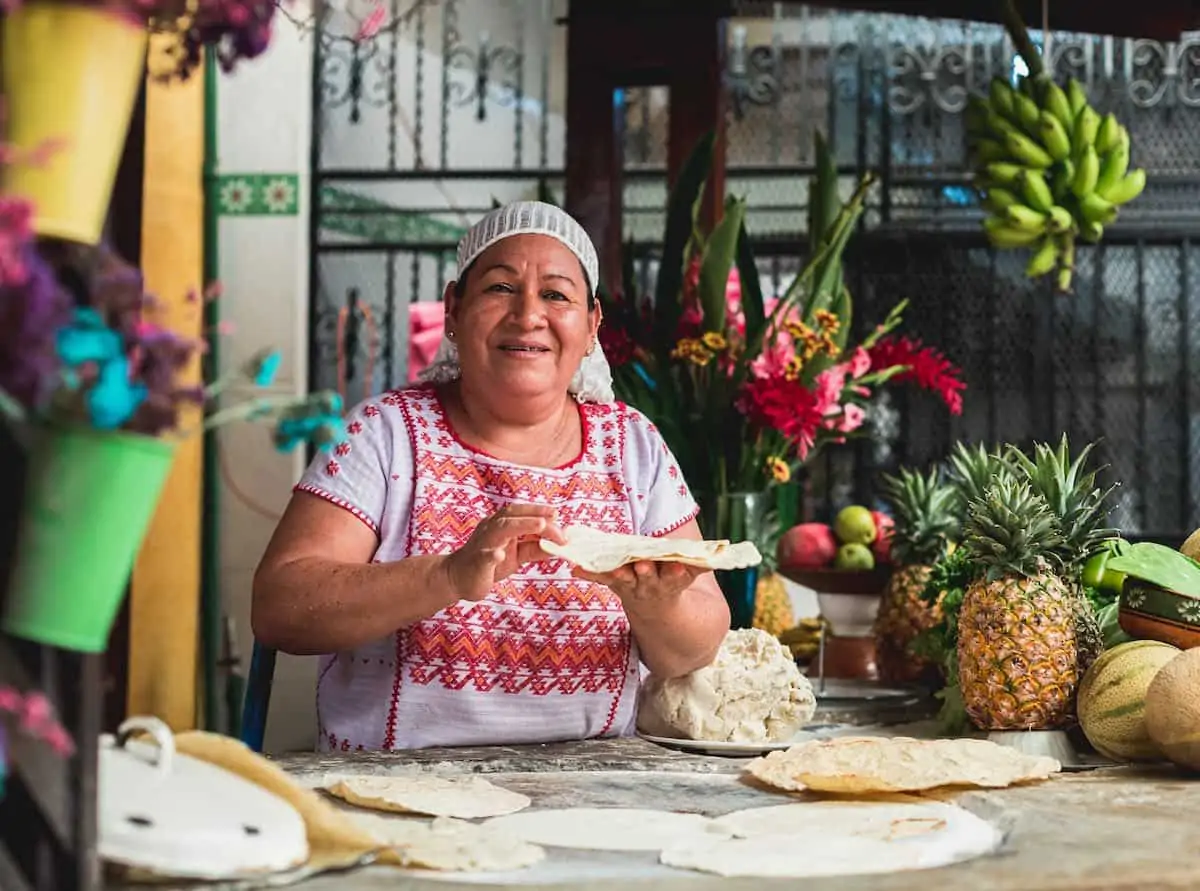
(502,543)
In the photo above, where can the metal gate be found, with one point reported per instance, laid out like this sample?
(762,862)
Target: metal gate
(419,130)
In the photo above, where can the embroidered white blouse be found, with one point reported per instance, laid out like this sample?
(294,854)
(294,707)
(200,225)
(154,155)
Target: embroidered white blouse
(544,656)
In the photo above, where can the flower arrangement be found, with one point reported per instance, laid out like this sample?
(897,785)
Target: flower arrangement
(110,364)
(745,389)
(101,391)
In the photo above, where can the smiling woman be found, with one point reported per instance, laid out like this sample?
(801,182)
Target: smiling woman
(410,560)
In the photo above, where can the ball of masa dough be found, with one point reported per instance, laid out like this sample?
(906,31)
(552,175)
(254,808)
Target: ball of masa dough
(752,692)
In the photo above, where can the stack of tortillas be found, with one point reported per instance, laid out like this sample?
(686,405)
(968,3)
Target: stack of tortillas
(871,764)
(597,551)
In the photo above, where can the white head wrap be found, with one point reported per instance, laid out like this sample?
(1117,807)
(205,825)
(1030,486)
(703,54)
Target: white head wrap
(593,380)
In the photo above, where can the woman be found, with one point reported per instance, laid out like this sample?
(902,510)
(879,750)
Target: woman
(411,555)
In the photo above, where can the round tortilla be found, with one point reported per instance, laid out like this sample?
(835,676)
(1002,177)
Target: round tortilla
(448,845)
(465,798)
(871,764)
(838,838)
(609,829)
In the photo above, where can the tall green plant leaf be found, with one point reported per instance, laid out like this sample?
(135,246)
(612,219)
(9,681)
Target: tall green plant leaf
(675,238)
(718,261)
(823,201)
(752,295)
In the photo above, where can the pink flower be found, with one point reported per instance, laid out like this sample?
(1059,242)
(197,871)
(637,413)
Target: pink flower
(852,418)
(828,388)
(859,363)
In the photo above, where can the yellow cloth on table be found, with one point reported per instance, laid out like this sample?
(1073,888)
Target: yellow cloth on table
(334,840)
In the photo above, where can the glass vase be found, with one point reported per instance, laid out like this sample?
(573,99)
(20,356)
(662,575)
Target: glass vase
(737,516)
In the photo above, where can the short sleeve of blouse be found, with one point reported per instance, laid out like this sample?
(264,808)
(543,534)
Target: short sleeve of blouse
(660,497)
(354,475)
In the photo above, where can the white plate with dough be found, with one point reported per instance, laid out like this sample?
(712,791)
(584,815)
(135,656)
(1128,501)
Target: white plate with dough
(740,749)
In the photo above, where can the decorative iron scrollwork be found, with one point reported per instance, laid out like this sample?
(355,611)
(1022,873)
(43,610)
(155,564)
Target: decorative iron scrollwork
(750,74)
(353,73)
(1163,72)
(494,70)
(938,76)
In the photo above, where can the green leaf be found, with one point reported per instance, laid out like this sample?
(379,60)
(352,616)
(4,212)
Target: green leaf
(718,261)
(678,231)
(1159,565)
(752,295)
(823,202)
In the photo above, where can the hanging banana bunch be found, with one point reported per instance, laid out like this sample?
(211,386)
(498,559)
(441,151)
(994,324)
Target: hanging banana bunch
(1049,168)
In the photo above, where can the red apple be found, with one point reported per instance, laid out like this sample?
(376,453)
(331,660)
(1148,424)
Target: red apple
(807,546)
(882,546)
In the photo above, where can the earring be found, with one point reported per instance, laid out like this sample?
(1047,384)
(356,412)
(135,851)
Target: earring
(591,347)
(450,335)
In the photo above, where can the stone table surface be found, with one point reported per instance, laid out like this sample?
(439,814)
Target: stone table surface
(1107,828)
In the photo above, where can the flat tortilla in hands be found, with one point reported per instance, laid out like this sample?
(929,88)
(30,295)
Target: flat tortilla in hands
(597,551)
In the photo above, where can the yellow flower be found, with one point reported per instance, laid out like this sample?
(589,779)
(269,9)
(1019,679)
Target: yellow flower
(798,330)
(827,321)
(685,347)
(792,371)
(714,340)
(700,357)
(779,469)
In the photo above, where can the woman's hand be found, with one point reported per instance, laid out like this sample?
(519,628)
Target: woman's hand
(646,584)
(501,544)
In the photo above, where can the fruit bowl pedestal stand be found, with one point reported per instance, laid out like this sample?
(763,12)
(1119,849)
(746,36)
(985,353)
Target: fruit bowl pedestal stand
(849,602)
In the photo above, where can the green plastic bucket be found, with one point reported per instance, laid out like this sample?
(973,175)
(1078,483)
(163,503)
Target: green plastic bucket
(89,502)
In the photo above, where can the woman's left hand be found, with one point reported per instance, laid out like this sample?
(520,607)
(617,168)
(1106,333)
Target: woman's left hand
(646,583)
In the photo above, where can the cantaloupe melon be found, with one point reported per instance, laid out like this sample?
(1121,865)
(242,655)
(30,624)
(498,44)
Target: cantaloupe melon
(1173,709)
(1112,699)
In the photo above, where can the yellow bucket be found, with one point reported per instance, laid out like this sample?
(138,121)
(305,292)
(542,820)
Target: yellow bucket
(71,75)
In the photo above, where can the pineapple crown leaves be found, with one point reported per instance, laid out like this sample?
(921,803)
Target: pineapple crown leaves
(973,468)
(924,510)
(1070,491)
(1011,530)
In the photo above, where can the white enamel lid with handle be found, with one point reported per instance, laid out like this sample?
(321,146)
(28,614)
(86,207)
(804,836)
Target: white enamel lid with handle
(180,817)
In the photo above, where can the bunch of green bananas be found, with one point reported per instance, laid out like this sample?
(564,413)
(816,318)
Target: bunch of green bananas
(1049,169)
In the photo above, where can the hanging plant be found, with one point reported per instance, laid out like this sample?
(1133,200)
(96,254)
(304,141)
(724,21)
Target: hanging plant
(1050,169)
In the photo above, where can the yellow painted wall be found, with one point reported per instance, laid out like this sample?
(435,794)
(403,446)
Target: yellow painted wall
(165,592)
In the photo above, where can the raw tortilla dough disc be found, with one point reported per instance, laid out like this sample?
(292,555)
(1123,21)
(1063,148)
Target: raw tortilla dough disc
(609,829)
(450,845)
(467,798)
(866,764)
(598,551)
(838,838)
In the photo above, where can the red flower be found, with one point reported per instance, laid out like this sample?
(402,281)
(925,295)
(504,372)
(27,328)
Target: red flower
(618,346)
(927,367)
(784,405)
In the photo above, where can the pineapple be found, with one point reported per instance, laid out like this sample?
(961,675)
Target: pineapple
(772,605)
(1026,633)
(1082,511)
(1018,662)
(923,508)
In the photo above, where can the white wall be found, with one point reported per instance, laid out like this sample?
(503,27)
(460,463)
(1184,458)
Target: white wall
(264,131)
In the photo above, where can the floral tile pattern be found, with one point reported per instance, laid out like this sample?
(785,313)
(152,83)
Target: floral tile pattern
(258,194)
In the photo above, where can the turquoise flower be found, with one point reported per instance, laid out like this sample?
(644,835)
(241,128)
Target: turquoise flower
(317,419)
(87,339)
(113,398)
(263,368)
